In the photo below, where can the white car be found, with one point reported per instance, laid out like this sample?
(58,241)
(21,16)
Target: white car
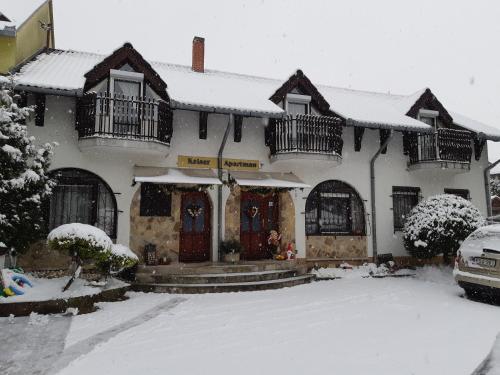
(477,266)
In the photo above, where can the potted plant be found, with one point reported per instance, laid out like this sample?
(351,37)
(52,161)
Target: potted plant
(231,250)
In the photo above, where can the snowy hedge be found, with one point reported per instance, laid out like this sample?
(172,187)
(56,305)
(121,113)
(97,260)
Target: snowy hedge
(87,242)
(439,224)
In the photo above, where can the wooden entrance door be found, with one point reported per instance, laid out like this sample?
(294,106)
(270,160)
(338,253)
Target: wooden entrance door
(259,215)
(195,235)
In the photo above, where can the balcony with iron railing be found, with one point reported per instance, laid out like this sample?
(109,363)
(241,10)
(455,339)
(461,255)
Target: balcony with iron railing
(444,149)
(306,137)
(129,123)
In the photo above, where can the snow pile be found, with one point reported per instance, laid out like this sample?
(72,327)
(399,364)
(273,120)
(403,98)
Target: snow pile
(439,224)
(71,232)
(346,271)
(49,289)
(120,250)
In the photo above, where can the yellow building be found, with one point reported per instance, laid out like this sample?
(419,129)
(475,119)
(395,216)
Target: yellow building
(26,27)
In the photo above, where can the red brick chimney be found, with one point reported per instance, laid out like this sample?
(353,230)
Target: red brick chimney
(198,64)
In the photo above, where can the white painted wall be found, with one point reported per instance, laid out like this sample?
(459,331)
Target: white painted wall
(116,167)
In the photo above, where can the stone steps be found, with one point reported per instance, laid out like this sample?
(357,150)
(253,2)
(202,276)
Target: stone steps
(223,287)
(216,278)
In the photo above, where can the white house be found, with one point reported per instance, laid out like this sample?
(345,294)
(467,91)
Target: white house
(183,157)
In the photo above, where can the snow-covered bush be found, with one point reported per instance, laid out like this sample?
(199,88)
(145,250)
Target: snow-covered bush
(119,258)
(494,187)
(439,224)
(83,241)
(86,242)
(24,182)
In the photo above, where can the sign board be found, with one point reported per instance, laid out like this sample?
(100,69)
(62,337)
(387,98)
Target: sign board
(184,161)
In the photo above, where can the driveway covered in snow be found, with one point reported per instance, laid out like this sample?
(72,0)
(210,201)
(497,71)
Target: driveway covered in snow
(419,325)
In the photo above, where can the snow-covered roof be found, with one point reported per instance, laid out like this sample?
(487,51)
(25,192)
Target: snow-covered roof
(179,176)
(17,12)
(269,179)
(230,92)
(483,130)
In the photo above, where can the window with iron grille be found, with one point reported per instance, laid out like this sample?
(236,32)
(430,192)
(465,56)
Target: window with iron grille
(156,200)
(403,200)
(463,193)
(334,208)
(81,197)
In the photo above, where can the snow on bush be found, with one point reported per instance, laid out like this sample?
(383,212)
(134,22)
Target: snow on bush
(24,182)
(439,224)
(87,242)
(81,240)
(121,257)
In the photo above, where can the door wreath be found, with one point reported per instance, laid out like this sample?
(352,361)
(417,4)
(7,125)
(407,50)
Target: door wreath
(194,210)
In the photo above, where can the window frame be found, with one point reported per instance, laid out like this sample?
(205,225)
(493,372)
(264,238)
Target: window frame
(300,100)
(403,191)
(314,208)
(78,176)
(149,201)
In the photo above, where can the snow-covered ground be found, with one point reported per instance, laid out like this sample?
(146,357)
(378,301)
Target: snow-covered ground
(416,325)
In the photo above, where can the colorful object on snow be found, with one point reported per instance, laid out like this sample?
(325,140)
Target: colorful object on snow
(14,283)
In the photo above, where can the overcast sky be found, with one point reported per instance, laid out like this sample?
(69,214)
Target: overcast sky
(388,46)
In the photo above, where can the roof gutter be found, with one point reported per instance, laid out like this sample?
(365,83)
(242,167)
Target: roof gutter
(372,196)
(487,186)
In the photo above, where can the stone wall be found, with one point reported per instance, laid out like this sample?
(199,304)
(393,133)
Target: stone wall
(287,219)
(163,231)
(343,247)
(40,257)
(232,214)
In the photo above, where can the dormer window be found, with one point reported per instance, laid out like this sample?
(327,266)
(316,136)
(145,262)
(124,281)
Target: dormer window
(297,104)
(126,84)
(429,117)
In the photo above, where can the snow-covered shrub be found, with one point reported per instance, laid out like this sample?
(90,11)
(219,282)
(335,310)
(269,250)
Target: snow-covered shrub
(24,182)
(439,224)
(119,258)
(86,242)
(494,187)
(83,241)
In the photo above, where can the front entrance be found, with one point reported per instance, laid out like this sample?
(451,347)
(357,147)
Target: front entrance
(195,237)
(259,215)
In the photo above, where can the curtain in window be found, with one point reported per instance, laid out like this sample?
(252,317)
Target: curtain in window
(81,197)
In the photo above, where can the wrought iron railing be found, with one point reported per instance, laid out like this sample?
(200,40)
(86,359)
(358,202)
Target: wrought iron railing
(123,117)
(444,145)
(306,134)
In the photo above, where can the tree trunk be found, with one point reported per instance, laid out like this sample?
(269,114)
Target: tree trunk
(76,264)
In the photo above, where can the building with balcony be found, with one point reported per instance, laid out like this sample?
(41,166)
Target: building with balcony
(181,157)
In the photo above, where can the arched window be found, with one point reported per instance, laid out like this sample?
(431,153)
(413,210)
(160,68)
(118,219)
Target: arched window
(82,197)
(334,208)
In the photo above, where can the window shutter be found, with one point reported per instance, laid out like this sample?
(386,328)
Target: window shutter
(238,124)
(203,125)
(39,109)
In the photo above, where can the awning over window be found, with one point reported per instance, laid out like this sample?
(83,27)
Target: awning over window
(268,179)
(182,176)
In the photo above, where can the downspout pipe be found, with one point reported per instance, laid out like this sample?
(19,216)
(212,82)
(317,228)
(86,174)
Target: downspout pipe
(372,195)
(487,187)
(219,187)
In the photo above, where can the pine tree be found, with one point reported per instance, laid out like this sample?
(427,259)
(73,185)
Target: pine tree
(24,182)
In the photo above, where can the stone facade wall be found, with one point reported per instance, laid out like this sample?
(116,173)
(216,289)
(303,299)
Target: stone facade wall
(163,231)
(343,247)
(232,214)
(40,257)
(287,219)
(286,216)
